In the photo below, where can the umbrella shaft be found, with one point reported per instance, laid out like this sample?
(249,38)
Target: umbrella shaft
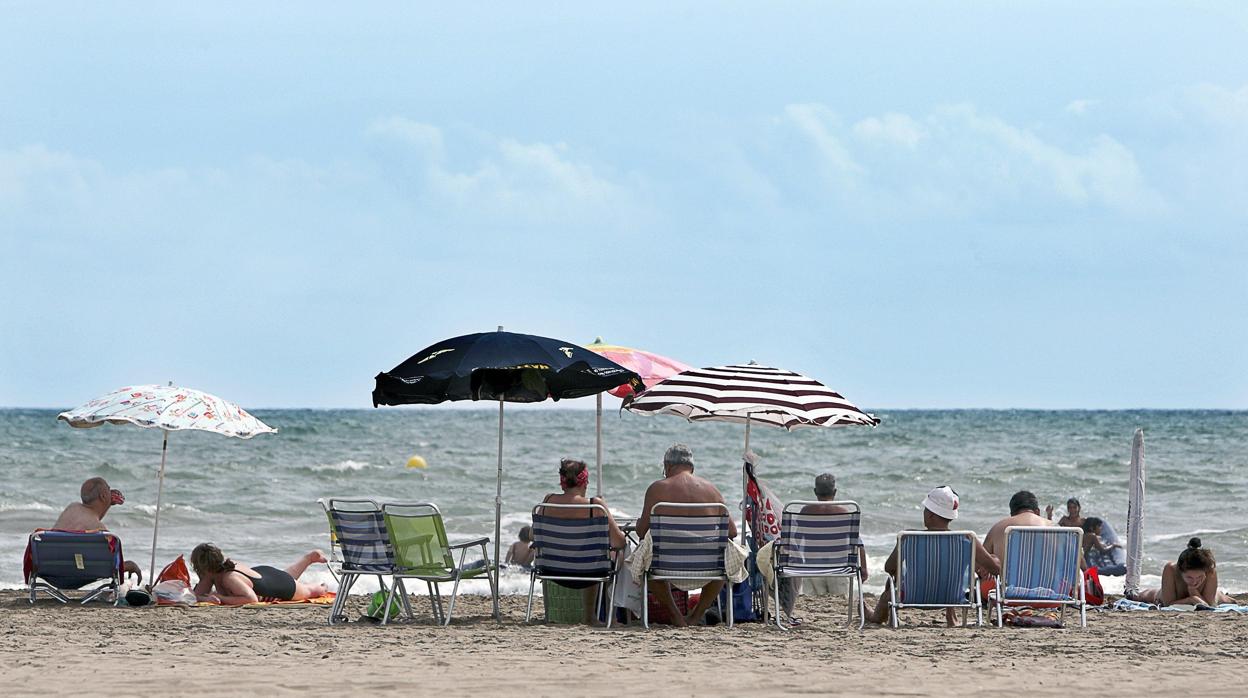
(160,490)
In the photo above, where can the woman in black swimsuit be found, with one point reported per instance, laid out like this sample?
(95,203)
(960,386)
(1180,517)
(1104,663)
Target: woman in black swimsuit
(224,581)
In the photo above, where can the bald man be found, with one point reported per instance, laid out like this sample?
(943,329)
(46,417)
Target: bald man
(97,498)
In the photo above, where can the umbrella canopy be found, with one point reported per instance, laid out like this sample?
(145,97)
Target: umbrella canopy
(168,408)
(1135,514)
(750,394)
(651,367)
(502,366)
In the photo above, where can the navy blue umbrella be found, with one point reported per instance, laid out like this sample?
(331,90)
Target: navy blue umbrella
(506,367)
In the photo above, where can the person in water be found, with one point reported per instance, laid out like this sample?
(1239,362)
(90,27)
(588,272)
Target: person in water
(1102,549)
(521,552)
(1073,517)
(574,480)
(221,580)
(1192,579)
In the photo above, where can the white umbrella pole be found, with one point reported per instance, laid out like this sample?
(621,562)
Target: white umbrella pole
(1135,515)
(598,429)
(744,483)
(498,510)
(160,490)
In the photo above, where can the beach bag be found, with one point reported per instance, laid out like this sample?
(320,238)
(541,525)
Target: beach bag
(1093,592)
(377,605)
(175,570)
(742,601)
(174,592)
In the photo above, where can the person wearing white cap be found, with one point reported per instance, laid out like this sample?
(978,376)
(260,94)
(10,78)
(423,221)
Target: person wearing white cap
(940,507)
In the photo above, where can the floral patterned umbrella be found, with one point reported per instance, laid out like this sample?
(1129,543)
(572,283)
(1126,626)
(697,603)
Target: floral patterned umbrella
(652,368)
(168,408)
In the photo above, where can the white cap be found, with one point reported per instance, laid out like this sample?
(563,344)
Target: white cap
(943,502)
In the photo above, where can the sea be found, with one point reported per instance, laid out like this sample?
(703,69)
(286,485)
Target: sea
(257,499)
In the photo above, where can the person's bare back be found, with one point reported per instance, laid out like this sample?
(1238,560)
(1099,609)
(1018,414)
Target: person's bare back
(79,517)
(682,487)
(1024,511)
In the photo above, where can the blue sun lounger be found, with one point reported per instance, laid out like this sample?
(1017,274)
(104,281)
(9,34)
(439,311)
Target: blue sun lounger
(820,545)
(687,548)
(1040,567)
(935,569)
(573,550)
(360,529)
(62,561)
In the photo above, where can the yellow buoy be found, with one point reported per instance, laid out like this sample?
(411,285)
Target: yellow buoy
(416,462)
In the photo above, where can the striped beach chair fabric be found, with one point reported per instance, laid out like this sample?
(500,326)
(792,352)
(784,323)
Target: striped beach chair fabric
(1040,566)
(935,569)
(575,549)
(59,561)
(820,545)
(423,552)
(364,544)
(687,548)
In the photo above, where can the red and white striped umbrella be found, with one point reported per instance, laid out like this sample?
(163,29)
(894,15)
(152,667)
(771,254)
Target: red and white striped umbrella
(750,394)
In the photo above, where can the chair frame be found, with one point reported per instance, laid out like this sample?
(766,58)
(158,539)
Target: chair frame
(647,576)
(335,550)
(441,616)
(348,576)
(998,598)
(895,591)
(851,572)
(611,576)
(111,584)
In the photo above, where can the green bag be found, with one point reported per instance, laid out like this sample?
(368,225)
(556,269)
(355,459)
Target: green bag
(376,607)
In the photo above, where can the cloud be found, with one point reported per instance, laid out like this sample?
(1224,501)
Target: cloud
(1079,107)
(818,123)
(897,129)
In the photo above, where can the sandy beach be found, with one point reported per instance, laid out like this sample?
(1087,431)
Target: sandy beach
(50,649)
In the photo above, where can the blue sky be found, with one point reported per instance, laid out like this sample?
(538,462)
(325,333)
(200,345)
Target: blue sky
(963,205)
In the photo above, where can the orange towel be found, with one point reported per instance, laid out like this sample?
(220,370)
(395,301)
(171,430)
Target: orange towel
(326,600)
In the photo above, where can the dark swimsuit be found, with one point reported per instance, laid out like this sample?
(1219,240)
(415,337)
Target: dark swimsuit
(272,583)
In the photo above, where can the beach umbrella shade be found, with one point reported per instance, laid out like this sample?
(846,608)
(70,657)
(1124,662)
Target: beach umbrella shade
(502,366)
(650,367)
(750,394)
(1135,515)
(168,408)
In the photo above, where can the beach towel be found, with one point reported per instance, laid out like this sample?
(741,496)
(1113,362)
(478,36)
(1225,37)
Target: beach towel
(326,600)
(1129,605)
(734,564)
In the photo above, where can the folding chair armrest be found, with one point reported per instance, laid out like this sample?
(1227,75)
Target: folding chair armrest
(476,541)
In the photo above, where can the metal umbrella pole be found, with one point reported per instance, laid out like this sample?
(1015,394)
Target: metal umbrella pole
(745,494)
(160,489)
(598,429)
(498,510)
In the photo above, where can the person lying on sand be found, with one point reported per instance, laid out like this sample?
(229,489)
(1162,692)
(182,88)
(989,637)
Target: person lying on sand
(1193,579)
(221,580)
(573,480)
(680,485)
(97,498)
(1073,514)
(940,507)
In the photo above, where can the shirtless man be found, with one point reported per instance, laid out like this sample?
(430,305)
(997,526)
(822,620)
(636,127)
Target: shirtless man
(97,499)
(680,485)
(1024,511)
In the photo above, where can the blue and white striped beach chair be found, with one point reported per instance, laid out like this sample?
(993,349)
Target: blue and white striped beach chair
(575,550)
(360,528)
(820,545)
(1040,567)
(935,569)
(686,548)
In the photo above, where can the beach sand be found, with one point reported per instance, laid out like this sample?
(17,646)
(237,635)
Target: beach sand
(52,649)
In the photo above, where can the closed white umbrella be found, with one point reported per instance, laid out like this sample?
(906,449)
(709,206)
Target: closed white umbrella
(168,408)
(1135,516)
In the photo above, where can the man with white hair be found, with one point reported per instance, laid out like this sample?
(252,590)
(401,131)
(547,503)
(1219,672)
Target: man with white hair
(680,485)
(940,508)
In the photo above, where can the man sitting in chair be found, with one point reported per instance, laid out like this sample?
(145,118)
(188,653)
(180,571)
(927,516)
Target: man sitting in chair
(1024,511)
(825,491)
(97,499)
(940,507)
(680,485)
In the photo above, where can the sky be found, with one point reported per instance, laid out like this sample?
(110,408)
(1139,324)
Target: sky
(1003,205)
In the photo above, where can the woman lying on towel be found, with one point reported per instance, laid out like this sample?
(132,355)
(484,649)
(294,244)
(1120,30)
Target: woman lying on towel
(221,580)
(1192,580)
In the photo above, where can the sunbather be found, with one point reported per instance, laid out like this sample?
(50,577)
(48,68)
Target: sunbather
(940,507)
(1193,579)
(97,498)
(573,480)
(680,485)
(221,580)
(1024,511)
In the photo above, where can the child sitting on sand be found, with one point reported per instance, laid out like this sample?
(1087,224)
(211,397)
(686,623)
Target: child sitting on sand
(521,552)
(1193,579)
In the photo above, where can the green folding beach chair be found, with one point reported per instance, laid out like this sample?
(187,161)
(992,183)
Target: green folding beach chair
(422,552)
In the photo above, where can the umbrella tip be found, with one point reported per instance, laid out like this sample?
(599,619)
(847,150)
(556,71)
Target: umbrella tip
(753,362)
(500,328)
(597,340)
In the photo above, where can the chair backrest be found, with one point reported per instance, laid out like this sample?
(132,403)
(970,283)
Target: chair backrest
(360,530)
(1042,561)
(935,567)
(577,546)
(819,539)
(685,545)
(69,559)
(418,537)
